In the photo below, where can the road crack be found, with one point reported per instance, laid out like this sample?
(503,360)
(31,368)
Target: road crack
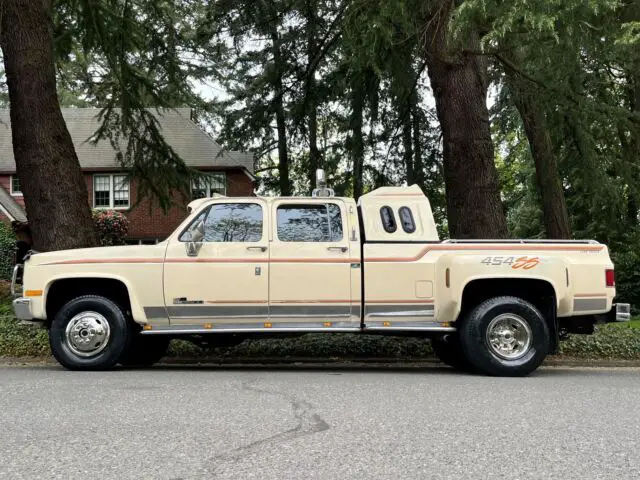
(308,423)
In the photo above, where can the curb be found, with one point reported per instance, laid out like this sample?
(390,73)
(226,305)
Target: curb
(325,362)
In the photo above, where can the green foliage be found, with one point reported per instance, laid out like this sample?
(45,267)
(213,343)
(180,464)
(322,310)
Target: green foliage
(610,342)
(112,227)
(18,340)
(7,251)
(133,59)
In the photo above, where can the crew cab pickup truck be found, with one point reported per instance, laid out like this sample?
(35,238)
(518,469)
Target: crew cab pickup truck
(241,268)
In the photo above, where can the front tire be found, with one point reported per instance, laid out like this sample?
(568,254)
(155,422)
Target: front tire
(89,333)
(505,336)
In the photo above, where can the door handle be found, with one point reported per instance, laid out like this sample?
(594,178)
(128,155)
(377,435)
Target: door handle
(337,249)
(261,248)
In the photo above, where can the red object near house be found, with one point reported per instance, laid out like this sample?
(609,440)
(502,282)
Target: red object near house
(231,172)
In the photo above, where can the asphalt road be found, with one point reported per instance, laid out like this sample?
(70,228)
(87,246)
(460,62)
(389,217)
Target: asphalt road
(206,423)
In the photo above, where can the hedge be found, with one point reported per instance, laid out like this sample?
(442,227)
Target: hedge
(7,250)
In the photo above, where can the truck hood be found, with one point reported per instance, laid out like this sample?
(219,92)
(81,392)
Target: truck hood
(98,254)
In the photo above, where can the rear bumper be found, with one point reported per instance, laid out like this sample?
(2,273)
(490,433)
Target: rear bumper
(620,312)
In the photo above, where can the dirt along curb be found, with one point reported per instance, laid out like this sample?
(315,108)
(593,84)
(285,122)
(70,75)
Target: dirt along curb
(324,362)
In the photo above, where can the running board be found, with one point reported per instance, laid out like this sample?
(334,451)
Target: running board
(298,328)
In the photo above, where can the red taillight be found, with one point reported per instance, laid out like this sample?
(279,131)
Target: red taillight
(610,276)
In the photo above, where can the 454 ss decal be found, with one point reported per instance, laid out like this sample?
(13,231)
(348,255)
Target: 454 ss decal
(524,263)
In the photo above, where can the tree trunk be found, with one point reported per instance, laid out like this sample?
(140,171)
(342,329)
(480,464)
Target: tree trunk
(312,52)
(418,163)
(631,148)
(54,190)
(314,152)
(358,96)
(407,144)
(459,86)
(281,120)
(554,206)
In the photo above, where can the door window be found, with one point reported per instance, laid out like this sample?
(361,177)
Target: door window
(230,222)
(309,223)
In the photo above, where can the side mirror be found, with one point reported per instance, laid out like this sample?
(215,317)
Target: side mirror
(196,232)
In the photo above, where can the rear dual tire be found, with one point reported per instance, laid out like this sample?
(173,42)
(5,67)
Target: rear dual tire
(502,336)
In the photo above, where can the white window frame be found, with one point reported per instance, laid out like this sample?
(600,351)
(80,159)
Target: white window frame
(13,193)
(111,192)
(207,188)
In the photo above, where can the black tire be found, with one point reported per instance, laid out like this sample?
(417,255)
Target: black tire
(484,358)
(449,350)
(144,351)
(109,351)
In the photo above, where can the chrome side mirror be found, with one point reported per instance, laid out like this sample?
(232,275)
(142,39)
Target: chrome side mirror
(196,232)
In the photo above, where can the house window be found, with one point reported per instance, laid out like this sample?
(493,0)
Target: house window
(16,189)
(309,223)
(209,185)
(110,191)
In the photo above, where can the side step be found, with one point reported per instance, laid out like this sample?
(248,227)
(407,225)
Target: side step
(288,327)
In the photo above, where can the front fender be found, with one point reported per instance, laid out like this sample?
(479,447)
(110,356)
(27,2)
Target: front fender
(136,309)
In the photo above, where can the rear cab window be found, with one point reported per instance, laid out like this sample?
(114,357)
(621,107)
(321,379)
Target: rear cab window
(314,222)
(388,219)
(406,220)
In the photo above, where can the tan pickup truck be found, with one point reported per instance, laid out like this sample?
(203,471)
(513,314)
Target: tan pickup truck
(255,267)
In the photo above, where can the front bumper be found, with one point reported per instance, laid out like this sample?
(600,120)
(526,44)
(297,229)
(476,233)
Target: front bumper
(22,309)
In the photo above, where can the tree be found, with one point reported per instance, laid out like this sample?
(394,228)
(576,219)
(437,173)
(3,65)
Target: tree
(60,216)
(128,58)
(525,97)
(459,83)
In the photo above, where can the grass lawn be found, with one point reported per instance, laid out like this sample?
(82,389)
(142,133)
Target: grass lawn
(633,323)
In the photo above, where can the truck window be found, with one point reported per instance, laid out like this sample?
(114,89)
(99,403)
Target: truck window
(406,219)
(388,219)
(230,222)
(309,223)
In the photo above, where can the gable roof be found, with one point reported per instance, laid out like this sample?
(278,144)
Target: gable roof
(187,139)
(11,208)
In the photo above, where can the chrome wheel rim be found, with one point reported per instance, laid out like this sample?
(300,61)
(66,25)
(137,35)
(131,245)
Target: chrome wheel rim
(509,336)
(87,334)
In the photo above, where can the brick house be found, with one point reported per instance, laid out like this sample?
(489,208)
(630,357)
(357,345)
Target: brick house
(107,187)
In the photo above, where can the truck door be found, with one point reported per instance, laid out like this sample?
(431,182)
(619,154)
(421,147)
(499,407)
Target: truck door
(310,273)
(226,284)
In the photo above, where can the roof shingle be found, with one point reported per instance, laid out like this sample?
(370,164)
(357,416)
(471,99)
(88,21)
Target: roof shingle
(187,139)
(13,208)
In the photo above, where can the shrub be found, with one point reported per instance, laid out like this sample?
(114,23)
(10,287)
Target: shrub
(7,250)
(112,227)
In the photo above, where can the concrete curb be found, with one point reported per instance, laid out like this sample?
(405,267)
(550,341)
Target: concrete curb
(326,362)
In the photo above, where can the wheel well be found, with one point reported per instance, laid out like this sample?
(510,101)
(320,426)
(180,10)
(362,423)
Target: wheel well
(540,293)
(65,290)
